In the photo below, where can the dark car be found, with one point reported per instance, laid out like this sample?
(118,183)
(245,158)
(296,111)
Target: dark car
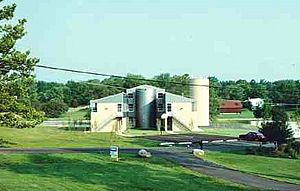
(253,136)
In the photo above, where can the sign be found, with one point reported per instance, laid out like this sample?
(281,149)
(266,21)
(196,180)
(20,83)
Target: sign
(114,153)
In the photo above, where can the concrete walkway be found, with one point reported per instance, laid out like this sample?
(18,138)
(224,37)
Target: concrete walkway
(183,157)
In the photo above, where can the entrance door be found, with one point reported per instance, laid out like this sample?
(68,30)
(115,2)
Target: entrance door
(169,124)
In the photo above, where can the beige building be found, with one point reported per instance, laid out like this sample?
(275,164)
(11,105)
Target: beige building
(149,107)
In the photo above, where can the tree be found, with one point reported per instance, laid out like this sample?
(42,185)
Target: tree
(278,130)
(213,98)
(54,108)
(266,110)
(16,74)
(296,116)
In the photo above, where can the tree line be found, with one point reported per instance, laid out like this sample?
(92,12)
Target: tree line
(73,94)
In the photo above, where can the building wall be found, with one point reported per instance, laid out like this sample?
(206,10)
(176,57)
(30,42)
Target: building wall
(105,112)
(201,105)
(182,111)
(108,119)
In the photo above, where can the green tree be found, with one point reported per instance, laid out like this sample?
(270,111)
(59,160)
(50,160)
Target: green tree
(16,74)
(278,130)
(266,111)
(133,80)
(213,98)
(296,116)
(54,108)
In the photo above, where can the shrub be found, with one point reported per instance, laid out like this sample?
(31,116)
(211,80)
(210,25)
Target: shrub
(54,108)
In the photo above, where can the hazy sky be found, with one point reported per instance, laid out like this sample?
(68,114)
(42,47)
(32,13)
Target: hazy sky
(227,39)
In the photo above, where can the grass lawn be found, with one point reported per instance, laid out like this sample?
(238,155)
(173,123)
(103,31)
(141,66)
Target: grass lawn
(58,137)
(231,132)
(282,169)
(139,132)
(98,172)
(244,114)
(71,115)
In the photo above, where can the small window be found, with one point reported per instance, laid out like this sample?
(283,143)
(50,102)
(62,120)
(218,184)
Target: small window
(94,108)
(119,107)
(160,95)
(160,107)
(130,107)
(130,95)
(169,107)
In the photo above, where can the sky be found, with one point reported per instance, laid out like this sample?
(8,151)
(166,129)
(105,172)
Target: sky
(230,39)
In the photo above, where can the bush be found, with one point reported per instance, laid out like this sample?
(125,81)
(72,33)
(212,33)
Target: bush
(54,108)
(296,146)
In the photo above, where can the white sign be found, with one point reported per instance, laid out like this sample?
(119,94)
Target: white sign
(114,152)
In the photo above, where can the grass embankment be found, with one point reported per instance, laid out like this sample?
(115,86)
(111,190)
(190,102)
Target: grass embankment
(98,172)
(71,115)
(58,137)
(282,169)
(244,114)
(231,132)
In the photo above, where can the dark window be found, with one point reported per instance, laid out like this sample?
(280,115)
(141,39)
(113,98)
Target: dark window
(119,107)
(160,107)
(160,95)
(169,107)
(130,107)
(130,95)
(94,108)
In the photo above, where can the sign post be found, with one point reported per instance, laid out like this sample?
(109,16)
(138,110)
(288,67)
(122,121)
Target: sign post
(114,153)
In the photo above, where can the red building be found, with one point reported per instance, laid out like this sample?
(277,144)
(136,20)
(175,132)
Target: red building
(230,106)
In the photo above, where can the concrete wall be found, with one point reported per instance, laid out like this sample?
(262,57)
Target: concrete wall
(200,94)
(105,111)
(183,112)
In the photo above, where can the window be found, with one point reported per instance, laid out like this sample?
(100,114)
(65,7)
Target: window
(94,107)
(119,107)
(130,107)
(160,107)
(130,95)
(160,95)
(169,107)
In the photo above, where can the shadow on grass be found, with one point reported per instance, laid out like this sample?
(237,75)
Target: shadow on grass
(291,177)
(141,142)
(5,144)
(128,174)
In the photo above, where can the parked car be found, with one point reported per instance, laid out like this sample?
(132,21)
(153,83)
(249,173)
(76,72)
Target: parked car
(253,136)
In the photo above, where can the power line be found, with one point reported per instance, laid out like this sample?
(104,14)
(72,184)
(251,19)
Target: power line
(99,84)
(118,76)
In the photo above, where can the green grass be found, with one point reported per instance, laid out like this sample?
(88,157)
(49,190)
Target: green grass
(231,132)
(58,137)
(98,172)
(71,115)
(282,169)
(139,132)
(244,114)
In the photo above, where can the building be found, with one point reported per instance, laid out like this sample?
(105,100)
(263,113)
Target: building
(255,102)
(149,107)
(231,106)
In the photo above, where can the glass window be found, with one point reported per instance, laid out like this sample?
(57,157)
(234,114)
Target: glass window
(94,108)
(169,107)
(130,95)
(119,107)
(130,107)
(160,95)
(160,107)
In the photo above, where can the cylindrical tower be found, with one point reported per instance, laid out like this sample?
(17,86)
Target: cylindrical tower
(145,108)
(200,94)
